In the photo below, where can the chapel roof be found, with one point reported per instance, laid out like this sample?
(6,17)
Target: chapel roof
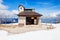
(29,14)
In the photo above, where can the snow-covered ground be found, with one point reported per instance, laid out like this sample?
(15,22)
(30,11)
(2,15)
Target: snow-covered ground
(53,34)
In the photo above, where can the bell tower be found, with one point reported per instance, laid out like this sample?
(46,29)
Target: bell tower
(21,8)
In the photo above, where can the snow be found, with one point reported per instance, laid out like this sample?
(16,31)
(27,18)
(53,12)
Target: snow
(53,34)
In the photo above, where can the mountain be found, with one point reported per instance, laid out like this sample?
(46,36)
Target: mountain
(51,20)
(8,20)
(58,19)
(43,20)
(48,20)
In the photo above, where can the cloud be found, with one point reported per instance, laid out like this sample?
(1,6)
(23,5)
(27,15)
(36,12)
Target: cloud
(8,14)
(4,12)
(1,1)
(2,6)
(55,14)
(15,11)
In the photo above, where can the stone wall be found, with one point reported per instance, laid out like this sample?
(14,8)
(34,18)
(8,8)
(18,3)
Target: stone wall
(22,20)
(39,20)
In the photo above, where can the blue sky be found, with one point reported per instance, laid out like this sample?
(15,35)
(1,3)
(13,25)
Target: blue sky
(44,7)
